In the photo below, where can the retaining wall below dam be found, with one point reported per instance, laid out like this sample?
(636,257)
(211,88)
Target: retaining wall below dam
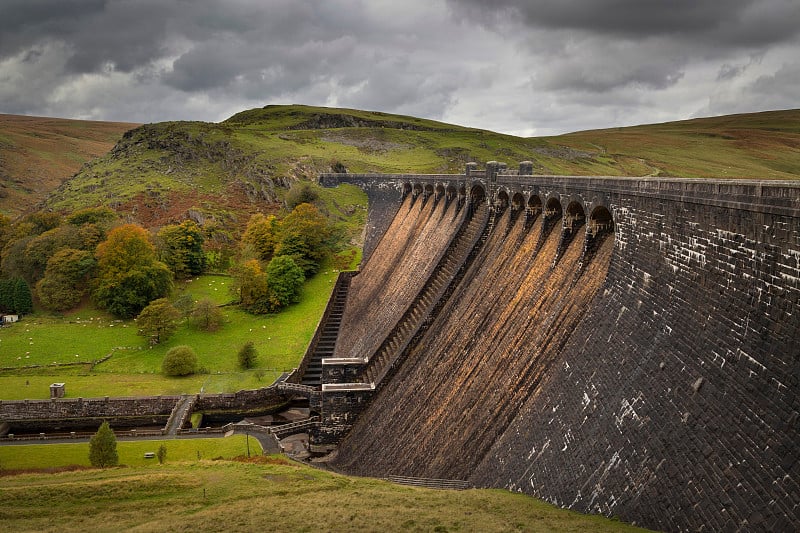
(655,379)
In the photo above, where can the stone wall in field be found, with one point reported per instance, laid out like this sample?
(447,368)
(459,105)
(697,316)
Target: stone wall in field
(65,413)
(651,375)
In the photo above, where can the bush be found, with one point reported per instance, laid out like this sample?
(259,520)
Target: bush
(179,361)
(301,193)
(103,447)
(247,356)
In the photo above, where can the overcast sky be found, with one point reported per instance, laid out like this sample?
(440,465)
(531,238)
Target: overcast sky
(524,67)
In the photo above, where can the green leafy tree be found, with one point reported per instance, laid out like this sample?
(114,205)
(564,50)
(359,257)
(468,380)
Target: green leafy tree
(15,263)
(181,248)
(284,281)
(260,236)
(303,237)
(92,215)
(206,315)
(128,274)
(247,355)
(66,279)
(158,321)
(22,297)
(103,447)
(42,247)
(179,361)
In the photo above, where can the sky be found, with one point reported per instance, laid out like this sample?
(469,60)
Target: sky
(524,67)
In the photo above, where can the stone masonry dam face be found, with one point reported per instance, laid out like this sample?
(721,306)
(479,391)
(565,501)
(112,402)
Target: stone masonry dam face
(629,347)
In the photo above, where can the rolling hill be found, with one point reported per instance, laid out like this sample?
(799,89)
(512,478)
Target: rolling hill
(38,154)
(157,172)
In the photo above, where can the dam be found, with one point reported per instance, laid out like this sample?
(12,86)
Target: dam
(622,346)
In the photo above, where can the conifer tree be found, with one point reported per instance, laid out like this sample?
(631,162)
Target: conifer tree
(103,447)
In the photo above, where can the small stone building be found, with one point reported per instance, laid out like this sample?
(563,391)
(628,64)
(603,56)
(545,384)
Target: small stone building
(57,390)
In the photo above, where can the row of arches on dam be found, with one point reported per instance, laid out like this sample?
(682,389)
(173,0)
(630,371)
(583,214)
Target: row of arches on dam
(573,210)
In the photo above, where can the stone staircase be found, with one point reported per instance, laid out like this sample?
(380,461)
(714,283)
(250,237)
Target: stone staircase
(326,340)
(420,314)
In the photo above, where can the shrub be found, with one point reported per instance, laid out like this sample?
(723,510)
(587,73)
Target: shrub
(248,355)
(162,454)
(179,361)
(301,193)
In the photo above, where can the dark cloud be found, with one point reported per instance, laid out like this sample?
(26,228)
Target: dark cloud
(510,65)
(737,22)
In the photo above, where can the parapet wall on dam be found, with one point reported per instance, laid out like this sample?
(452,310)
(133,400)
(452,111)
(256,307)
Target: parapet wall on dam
(655,379)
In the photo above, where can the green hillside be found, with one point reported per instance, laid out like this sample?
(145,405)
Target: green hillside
(157,172)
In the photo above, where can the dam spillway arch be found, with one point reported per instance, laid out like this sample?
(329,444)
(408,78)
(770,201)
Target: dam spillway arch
(669,356)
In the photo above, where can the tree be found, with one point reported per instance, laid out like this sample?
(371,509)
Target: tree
(23,300)
(128,274)
(303,236)
(103,447)
(42,221)
(158,321)
(247,355)
(162,453)
(284,281)
(250,284)
(260,236)
(92,215)
(179,361)
(206,315)
(41,248)
(181,248)
(65,279)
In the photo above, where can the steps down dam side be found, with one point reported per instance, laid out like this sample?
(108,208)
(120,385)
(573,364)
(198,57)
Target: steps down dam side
(623,346)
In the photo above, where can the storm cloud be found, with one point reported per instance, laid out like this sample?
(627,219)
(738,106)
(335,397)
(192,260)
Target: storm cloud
(517,66)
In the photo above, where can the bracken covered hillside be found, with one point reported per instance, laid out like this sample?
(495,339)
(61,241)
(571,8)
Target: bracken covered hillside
(157,172)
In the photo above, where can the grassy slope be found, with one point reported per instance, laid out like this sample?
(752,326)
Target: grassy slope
(273,495)
(755,145)
(131,453)
(37,154)
(213,165)
(134,367)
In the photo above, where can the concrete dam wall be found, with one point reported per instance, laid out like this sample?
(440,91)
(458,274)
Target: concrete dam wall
(629,347)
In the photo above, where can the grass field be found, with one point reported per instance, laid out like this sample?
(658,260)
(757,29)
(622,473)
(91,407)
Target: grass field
(267,494)
(134,367)
(131,453)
